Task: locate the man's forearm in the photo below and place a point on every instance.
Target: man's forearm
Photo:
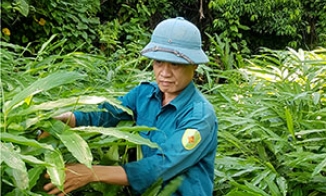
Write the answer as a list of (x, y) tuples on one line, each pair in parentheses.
[(110, 175), (68, 118)]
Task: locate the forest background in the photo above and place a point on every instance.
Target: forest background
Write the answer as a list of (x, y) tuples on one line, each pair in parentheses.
[(265, 78)]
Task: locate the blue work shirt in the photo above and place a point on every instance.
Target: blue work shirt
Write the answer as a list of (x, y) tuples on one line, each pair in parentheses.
[(191, 156)]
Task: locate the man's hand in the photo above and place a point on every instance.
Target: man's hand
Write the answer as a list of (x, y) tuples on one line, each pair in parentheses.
[(68, 118), (77, 175)]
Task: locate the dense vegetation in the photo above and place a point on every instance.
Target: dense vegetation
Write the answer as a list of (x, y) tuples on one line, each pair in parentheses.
[(266, 80)]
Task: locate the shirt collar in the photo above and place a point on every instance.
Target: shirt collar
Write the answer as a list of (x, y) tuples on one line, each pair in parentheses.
[(185, 95)]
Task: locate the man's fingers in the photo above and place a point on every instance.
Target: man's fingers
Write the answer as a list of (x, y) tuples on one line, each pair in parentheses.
[(48, 186), (46, 176), (53, 190), (44, 134)]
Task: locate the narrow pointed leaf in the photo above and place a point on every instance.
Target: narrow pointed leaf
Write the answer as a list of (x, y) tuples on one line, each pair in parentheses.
[(241, 193), (43, 84), (72, 101), (45, 44), (57, 171), (250, 188), (13, 160), (33, 160), (8, 137), (34, 174), (78, 147), (172, 186), (154, 189), (273, 187), (115, 132), (319, 168), (232, 139), (255, 189), (289, 122), (282, 185)]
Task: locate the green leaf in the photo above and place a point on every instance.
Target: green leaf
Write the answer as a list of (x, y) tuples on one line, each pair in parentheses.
[(13, 160), (115, 132), (282, 185), (316, 97), (81, 26), (289, 122), (234, 28), (113, 153), (273, 187), (57, 171), (77, 146), (154, 189), (260, 176), (241, 193), (94, 20), (54, 127), (43, 84), (33, 160), (319, 168), (307, 132), (235, 141), (139, 152), (250, 188), (34, 175), (255, 189), (171, 187), (8, 137), (21, 6), (45, 44), (72, 101)]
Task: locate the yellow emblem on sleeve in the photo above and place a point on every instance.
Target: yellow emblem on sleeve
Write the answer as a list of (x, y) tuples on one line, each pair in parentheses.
[(190, 138)]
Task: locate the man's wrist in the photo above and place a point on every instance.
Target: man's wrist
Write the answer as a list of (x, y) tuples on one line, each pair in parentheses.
[(68, 118)]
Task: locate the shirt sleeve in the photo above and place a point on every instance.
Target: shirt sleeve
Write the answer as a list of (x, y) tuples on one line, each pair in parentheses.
[(108, 115), (174, 158)]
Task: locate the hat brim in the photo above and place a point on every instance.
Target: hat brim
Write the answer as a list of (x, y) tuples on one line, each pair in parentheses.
[(196, 55)]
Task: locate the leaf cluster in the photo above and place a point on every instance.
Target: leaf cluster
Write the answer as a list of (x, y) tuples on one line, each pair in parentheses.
[(36, 89), (34, 22), (272, 126)]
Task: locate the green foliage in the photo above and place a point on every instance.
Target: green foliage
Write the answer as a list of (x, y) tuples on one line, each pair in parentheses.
[(222, 66), (314, 25), (271, 106), (273, 126), (35, 21), (170, 188), (35, 89), (111, 25), (271, 118), (260, 23)]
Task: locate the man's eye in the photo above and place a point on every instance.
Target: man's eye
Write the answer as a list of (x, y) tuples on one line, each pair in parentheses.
[(156, 61), (178, 65)]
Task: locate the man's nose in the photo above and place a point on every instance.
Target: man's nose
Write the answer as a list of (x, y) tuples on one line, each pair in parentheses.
[(166, 70)]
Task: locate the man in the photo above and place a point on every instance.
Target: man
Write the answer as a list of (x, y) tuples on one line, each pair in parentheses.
[(185, 121)]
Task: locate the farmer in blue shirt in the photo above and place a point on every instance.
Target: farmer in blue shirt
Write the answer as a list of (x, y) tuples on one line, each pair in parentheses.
[(185, 121)]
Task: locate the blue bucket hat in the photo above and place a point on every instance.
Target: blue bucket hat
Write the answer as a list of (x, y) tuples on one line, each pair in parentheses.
[(176, 40)]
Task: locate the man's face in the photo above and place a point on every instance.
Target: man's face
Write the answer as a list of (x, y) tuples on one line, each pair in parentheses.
[(173, 78)]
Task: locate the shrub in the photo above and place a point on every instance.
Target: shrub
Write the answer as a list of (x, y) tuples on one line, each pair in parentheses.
[(34, 22)]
